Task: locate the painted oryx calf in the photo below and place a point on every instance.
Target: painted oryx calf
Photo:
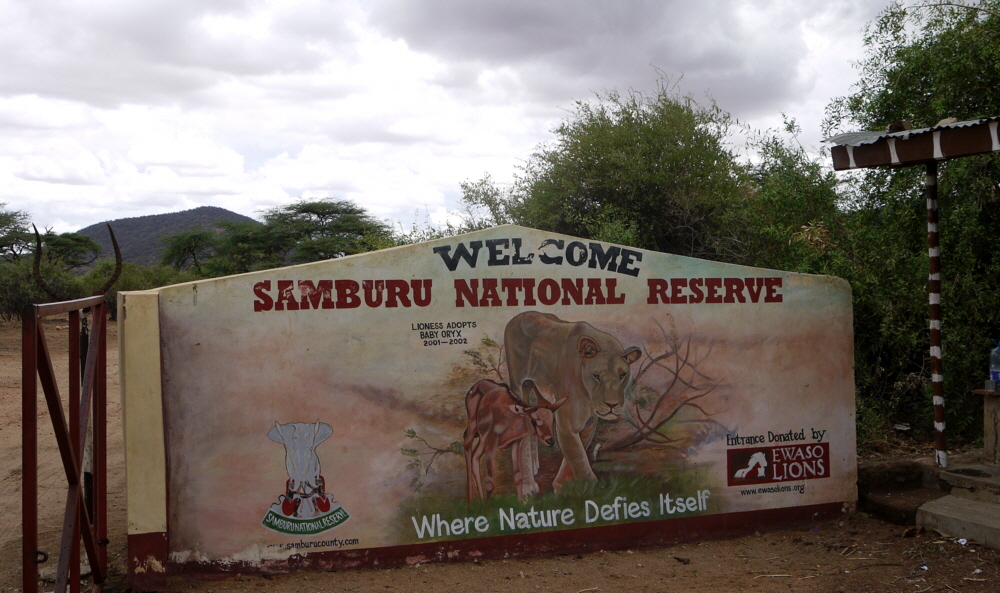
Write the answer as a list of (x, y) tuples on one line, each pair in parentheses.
[(500, 420)]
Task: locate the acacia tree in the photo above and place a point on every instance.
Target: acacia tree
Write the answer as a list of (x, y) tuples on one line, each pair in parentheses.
[(324, 229), (70, 250), (188, 249), (307, 230), (923, 64)]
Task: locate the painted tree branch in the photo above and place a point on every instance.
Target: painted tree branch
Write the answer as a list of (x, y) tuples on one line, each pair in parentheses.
[(686, 385)]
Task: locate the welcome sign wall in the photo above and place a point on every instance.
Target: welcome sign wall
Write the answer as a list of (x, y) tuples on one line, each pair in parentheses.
[(481, 395)]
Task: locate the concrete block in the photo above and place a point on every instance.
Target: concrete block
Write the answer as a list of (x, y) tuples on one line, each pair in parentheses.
[(976, 482), (898, 506), (954, 516)]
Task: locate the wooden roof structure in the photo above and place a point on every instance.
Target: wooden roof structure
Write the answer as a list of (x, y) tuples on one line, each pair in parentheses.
[(947, 140), (860, 150)]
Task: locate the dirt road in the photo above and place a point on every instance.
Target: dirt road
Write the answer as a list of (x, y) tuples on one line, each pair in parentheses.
[(861, 553)]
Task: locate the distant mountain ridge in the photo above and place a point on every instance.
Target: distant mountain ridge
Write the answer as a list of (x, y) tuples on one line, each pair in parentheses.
[(139, 237)]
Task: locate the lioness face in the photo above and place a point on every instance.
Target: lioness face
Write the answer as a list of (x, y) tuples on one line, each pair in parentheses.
[(605, 373)]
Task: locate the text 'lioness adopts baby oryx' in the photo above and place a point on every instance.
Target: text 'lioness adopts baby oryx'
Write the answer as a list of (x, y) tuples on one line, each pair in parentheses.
[(572, 359)]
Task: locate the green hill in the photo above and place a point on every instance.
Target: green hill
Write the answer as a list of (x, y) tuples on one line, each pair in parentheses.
[(139, 237)]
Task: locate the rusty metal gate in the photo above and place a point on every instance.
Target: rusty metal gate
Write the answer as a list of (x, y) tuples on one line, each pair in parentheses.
[(85, 515)]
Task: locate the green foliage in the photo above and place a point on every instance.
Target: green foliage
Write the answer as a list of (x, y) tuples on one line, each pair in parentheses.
[(792, 204), (70, 250), (188, 249), (324, 229), (133, 277), (15, 239), (301, 232), (19, 289), (647, 170), (141, 237), (923, 64)]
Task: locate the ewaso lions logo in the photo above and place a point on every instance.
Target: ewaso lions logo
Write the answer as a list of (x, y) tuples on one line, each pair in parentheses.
[(305, 508)]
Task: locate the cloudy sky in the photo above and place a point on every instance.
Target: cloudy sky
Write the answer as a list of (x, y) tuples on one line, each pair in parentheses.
[(112, 109)]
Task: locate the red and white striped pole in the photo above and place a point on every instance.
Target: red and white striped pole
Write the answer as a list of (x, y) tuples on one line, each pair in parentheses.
[(934, 288)]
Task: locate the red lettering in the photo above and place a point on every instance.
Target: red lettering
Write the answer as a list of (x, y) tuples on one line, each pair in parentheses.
[(613, 299), (594, 294), (529, 292), (572, 288), (347, 294), (311, 294), (421, 292), (548, 291), (657, 291), (695, 285), (754, 286), (466, 291), (285, 296), (373, 292), (734, 288), (675, 291), (772, 285), (713, 285), (266, 303), (511, 286), (397, 289), (490, 296)]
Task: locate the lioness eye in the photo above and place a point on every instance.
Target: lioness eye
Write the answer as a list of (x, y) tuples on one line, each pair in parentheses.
[(596, 377), (622, 376)]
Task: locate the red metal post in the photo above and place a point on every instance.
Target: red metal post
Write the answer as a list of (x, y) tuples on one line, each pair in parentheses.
[(74, 437), (934, 288), (29, 451), (37, 369), (100, 516)]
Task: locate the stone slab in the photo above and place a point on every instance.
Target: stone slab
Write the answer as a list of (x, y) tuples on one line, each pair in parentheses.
[(954, 516), (898, 506), (975, 482), (885, 476)]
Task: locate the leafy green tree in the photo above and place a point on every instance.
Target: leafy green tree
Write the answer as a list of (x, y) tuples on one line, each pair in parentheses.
[(308, 230), (72, 250), (15, 239), (651, 170), (188, 249), (924, 64), (246, 247), (18, 287), (790, 217), (325, 229)]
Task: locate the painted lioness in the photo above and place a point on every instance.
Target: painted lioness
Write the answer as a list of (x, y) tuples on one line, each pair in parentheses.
[(572, 360)]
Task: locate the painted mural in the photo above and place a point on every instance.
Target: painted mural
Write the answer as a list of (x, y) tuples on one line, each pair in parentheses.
[(504, 382)]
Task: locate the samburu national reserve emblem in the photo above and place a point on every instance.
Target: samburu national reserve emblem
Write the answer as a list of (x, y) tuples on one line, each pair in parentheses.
[(305, 508)]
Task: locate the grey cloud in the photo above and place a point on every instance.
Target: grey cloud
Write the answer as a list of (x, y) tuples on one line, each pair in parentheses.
[(569, 48), (154, 50)]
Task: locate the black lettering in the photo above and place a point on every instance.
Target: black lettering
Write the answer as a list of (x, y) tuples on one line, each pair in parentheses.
[(572, 250), (629, 256), (451, 261), (495, 249), (518, 260), (605, 260), (548, 259)]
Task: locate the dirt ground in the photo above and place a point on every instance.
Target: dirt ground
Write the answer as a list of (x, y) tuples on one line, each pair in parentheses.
[(859, 553)]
